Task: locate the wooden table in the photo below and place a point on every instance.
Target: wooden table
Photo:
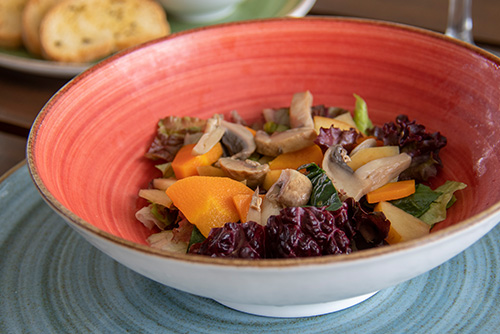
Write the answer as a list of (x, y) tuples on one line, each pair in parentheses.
[(23, 95)]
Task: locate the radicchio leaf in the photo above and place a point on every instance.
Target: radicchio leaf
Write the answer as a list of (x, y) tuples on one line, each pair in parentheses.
[(369, 228), (170, 136), (306, 232), (234, 240), (412, 139), (336, 136)]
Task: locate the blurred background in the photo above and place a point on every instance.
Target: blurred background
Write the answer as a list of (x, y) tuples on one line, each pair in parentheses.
[(429, 14)]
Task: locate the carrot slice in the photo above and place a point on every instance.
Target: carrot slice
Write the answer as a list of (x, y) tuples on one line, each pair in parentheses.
[(185, 164), (207, 201), (242, 204), (294, 160), (391, 191)]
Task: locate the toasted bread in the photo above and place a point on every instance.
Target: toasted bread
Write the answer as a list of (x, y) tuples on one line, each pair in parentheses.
[(33, 13), (87, 30), (10, 22)]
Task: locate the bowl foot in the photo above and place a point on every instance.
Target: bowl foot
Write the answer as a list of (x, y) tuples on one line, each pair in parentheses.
[(297, 311)]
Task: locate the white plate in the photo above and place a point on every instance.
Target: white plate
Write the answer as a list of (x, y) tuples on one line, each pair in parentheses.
[(21, 60)]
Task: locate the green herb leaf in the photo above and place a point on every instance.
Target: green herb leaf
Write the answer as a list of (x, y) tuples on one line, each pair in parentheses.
[(363, 122), (418, 203), (323, 192)]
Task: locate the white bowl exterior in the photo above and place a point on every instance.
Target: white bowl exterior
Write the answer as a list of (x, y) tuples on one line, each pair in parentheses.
[(293, 285)]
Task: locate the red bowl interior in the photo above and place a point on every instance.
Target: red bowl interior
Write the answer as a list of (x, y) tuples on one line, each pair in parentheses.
[(86, 147)]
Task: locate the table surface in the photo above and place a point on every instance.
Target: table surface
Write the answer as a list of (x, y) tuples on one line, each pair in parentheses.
[(23, 95)]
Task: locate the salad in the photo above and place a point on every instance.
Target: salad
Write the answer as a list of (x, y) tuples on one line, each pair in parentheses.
[(306, 180)]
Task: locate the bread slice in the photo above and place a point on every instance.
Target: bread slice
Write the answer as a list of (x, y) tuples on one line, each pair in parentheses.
[(33, 13), (10, 22), (87, 30)]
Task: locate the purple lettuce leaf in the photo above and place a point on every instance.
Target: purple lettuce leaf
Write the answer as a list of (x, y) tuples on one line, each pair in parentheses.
[(170, 136), (336, 136), (412, 138), (234, 240)]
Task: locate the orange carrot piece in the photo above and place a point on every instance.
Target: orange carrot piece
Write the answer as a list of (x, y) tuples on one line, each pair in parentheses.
[(251, 130), (391, 191), (185, 164), (294, 160), (207, 201), (242, 204)]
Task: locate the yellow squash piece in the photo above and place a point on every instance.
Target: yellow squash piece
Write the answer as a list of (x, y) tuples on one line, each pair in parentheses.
[(366, 155), (404, 226)]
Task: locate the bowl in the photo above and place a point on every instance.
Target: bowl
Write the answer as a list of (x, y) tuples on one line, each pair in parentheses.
[(86, 148), (200, 10)]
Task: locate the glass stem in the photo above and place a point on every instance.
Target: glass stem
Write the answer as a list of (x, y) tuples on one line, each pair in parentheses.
[(460, 20)]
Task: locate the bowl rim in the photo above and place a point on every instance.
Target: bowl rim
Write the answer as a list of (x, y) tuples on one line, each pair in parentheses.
[(357, 256)]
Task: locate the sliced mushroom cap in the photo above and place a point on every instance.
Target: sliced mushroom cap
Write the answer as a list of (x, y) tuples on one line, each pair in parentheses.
[(269, 208), (212, 135), (284, 142), (278, 116), (342, 176), (379, 172), (193, 138), (238, 140), (368, 177), (300, 110), (251, 171), (291, 189)]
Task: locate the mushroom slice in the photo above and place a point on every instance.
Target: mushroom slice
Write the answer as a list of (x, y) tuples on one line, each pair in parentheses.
[(376, 173), (255, 209), (251, 171), (192, 138), (368, 177), (269, 208), (300, 110), (238, 140), (342, 176), (291, 189), (212, 135), (283, 142)]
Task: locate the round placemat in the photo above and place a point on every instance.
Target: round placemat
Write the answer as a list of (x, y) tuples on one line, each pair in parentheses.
[(53, 281)]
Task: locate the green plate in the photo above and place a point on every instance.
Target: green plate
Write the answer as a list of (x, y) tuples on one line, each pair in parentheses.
[(22, 60)]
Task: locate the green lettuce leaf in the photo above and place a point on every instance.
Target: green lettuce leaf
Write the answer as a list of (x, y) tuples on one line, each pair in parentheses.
[(363, 122), (323, 192), (437, 210), (418, 203)]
